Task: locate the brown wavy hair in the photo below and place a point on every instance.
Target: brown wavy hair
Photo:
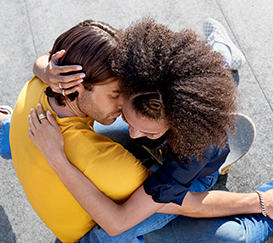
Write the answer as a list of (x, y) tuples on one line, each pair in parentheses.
[(88, 44), (190, 83)]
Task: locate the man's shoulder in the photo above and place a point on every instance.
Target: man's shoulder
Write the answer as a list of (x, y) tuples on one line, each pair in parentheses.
[(36, 82), (85, 148), (82, 137), (106, 163)]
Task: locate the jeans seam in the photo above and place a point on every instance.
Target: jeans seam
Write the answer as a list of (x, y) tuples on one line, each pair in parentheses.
[(158, 222)]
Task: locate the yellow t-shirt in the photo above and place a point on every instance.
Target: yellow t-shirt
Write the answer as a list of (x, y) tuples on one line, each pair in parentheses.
[(115, 171)]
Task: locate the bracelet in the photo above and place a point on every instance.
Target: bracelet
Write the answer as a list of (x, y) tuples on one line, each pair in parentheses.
[(262, 203)]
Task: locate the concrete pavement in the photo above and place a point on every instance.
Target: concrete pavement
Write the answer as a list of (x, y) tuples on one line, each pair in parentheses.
[(28, 29)]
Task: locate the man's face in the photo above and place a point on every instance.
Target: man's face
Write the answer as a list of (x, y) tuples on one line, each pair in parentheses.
[(103, 103)]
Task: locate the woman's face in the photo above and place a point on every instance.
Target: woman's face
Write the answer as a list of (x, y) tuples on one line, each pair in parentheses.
[(140, 126)]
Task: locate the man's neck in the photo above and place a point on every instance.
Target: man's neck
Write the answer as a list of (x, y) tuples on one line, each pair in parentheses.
[(70, 108)]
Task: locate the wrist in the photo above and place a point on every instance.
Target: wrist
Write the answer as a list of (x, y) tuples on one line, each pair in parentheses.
[(57, 161), (254, 203), (261, 198), (40, 67)]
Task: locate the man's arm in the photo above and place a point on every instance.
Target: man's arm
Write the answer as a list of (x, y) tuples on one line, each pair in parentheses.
[(40, 66), (213, 204)]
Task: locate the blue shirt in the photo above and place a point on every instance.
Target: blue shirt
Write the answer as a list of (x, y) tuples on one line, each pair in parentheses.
[(172, 181)]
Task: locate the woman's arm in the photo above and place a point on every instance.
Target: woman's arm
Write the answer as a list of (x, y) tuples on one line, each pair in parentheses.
[(50, 73), (115, 218)]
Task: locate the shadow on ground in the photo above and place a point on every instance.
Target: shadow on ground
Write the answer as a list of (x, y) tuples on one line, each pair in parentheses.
[(7, 235), (221, 183), (235, 75)]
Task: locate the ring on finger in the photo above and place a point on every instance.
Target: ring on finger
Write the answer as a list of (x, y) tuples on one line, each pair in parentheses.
[(42, 116), (63, 92), (60, 86)]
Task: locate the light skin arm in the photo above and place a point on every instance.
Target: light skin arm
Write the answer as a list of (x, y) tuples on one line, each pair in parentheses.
[(51, 74), (115, 218)]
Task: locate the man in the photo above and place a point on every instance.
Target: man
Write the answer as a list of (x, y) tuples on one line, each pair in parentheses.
[(88, 44)]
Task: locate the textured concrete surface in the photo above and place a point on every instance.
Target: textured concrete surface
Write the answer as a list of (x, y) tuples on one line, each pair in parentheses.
[(28, 29)]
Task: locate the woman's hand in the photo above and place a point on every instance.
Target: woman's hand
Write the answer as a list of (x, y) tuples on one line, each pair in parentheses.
[(51, 73), (46, 135)]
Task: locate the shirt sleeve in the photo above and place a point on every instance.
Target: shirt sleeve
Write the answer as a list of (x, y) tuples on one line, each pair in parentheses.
[(172, 181)]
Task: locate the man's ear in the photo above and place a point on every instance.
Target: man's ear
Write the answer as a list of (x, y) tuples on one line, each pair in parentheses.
[(80, 88)]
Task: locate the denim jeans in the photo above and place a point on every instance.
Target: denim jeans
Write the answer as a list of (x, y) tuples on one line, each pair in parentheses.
[(244, 228), (5, 151)]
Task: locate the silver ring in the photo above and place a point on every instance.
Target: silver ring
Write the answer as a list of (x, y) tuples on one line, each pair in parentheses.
[(63, 92), (42, 116), (60, 86)]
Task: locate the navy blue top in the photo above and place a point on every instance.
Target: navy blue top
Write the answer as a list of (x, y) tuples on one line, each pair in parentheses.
[(172, 181)]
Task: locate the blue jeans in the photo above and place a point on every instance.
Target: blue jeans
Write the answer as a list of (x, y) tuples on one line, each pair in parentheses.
[(244, 228), (4, 138)]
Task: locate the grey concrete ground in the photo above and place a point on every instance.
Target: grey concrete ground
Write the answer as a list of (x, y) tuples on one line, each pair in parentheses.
[(28, 29)]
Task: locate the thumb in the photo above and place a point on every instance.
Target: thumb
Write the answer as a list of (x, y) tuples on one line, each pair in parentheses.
[(51, 119), (55, 57)]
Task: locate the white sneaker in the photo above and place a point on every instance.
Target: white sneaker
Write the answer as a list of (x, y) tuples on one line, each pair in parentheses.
[(6, 109), (214, 31)]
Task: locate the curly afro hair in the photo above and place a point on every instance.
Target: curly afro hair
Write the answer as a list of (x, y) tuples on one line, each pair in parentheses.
[(194, 83)]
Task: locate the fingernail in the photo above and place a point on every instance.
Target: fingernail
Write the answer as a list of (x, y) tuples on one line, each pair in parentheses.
[(39, 104), (31, 109), (48, 112), (79, 81), (82, 75), (76, 87), (79, 67)]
